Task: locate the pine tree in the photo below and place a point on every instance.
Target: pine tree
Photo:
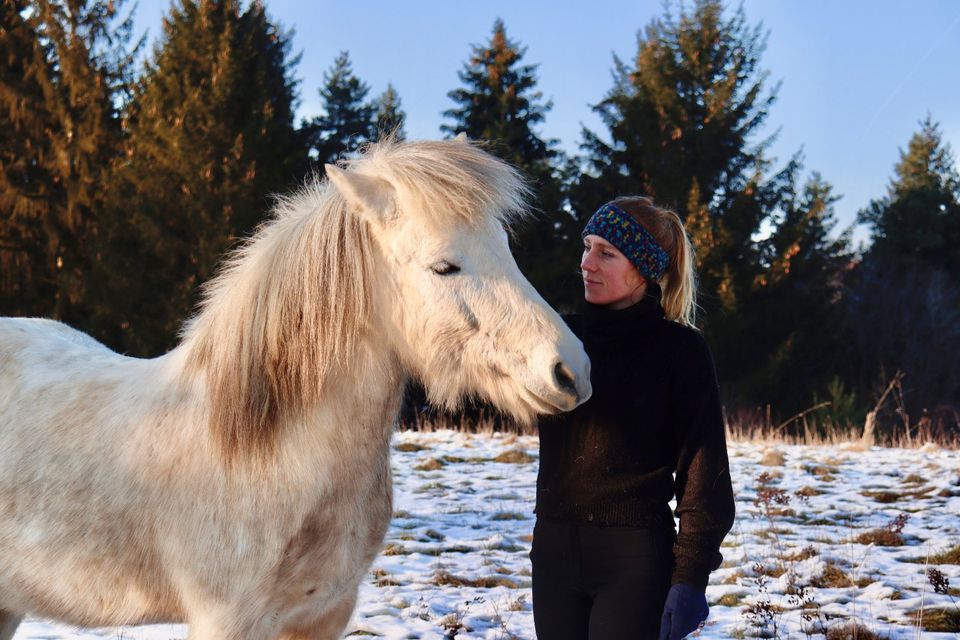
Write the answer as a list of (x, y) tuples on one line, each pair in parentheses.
[(390, 117), (211, 137), (499, 104), (64, 70), (348, 120), (785, 352), (902, 303), (920, 216)]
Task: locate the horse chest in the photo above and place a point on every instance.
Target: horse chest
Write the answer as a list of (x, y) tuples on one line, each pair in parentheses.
[(336, 542)]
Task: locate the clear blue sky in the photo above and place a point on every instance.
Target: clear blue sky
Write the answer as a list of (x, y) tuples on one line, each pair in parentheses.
[(857, 75)]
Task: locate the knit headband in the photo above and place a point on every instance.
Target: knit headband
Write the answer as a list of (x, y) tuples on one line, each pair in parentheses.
[(620, 229)]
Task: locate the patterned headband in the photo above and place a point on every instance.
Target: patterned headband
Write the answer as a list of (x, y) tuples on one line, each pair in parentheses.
[(620, 229)]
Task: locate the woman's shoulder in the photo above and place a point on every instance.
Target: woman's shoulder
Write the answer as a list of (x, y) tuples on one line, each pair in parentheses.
[(684, 334), (687, 341)]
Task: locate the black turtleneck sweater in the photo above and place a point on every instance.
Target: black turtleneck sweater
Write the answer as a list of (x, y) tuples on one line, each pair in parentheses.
[(655, 411)]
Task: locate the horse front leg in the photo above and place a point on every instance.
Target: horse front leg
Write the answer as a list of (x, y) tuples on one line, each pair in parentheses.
[(330, 627), (229, 625), (8, 625)]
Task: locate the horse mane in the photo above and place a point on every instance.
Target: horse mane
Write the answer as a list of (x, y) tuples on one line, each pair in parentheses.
[(272, 329)]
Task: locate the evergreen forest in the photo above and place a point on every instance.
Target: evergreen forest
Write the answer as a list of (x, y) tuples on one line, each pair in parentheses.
[(126, 174)]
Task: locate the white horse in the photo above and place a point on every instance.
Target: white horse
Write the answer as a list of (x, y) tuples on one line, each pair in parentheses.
[(241, 482)]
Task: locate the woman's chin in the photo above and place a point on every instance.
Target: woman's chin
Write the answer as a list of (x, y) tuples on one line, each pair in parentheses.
[(594, 297)]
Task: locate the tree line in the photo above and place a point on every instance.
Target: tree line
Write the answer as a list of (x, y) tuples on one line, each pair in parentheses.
[(121, 188)]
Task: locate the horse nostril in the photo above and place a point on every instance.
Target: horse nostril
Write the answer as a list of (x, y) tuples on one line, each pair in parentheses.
[(564, 378)]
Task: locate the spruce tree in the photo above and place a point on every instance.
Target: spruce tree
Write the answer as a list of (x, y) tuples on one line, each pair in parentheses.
[(786, 354), (64, 70), (920, 216), (902, 302), (682, 121), (390, 117), (211, 138), (499, 105), (348, 120)]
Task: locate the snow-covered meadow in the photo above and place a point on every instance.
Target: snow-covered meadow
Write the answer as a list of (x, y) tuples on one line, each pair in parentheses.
[(809, 552)]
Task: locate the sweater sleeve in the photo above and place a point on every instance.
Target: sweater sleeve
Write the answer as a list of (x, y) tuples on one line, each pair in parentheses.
[(704, 491)]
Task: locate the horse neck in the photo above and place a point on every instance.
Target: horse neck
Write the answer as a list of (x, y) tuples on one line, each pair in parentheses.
[(354, 417), (286, 331)]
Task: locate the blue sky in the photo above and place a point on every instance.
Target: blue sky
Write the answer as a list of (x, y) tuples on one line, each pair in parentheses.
[(857, 75)]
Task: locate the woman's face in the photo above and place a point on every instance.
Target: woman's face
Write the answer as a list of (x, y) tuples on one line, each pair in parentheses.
[(609, 279)]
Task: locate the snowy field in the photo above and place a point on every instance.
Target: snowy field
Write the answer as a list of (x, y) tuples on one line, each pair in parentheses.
[(810, 552)]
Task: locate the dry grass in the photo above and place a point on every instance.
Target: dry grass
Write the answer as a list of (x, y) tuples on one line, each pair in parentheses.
[(833, 577), (730, 599), (751, 429), (942, 620), (408, 447), (881, 538), (773, 458), (888, 497), (509, 515), (515, 456), (950, 556), (883, 497), (394, 549), (431, 464), (444, 578), (853, 631), (801, 554), (382, 579)]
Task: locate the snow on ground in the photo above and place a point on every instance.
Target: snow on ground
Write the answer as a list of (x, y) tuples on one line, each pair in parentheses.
[(455, 559)]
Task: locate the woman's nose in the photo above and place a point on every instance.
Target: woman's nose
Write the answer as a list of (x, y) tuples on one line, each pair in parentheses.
[(587, 263)]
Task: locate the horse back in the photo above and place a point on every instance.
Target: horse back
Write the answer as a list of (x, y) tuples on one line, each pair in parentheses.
[(65, 492)]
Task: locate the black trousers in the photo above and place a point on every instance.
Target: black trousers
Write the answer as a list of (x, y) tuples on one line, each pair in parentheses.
[(599, 583)]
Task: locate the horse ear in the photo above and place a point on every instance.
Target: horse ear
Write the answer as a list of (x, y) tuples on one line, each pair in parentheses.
[(371, 195), (461, 137)]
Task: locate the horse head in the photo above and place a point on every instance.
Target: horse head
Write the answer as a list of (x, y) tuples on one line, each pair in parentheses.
[(449, 295)]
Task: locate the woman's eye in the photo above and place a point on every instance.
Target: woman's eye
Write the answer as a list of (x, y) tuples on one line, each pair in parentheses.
[(444, 268)]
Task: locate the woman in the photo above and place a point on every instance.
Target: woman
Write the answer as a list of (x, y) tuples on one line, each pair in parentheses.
[(606, 560)]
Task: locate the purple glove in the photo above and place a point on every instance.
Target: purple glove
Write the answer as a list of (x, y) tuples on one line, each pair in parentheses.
[(685, 609)]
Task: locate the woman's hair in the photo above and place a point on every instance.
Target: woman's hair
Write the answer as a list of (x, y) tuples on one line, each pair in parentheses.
[(678, 281)]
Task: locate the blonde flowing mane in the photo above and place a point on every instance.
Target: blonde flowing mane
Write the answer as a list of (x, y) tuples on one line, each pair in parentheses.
[(272, 328)]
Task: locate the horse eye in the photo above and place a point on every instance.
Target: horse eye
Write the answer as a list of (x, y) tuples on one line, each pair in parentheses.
[(444, 268)]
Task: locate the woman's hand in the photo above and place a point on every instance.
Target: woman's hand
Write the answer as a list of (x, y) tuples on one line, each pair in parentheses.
[(685, 608)]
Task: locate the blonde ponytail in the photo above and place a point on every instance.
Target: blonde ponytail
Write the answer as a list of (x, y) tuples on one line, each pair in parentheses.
[(678, 282)]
